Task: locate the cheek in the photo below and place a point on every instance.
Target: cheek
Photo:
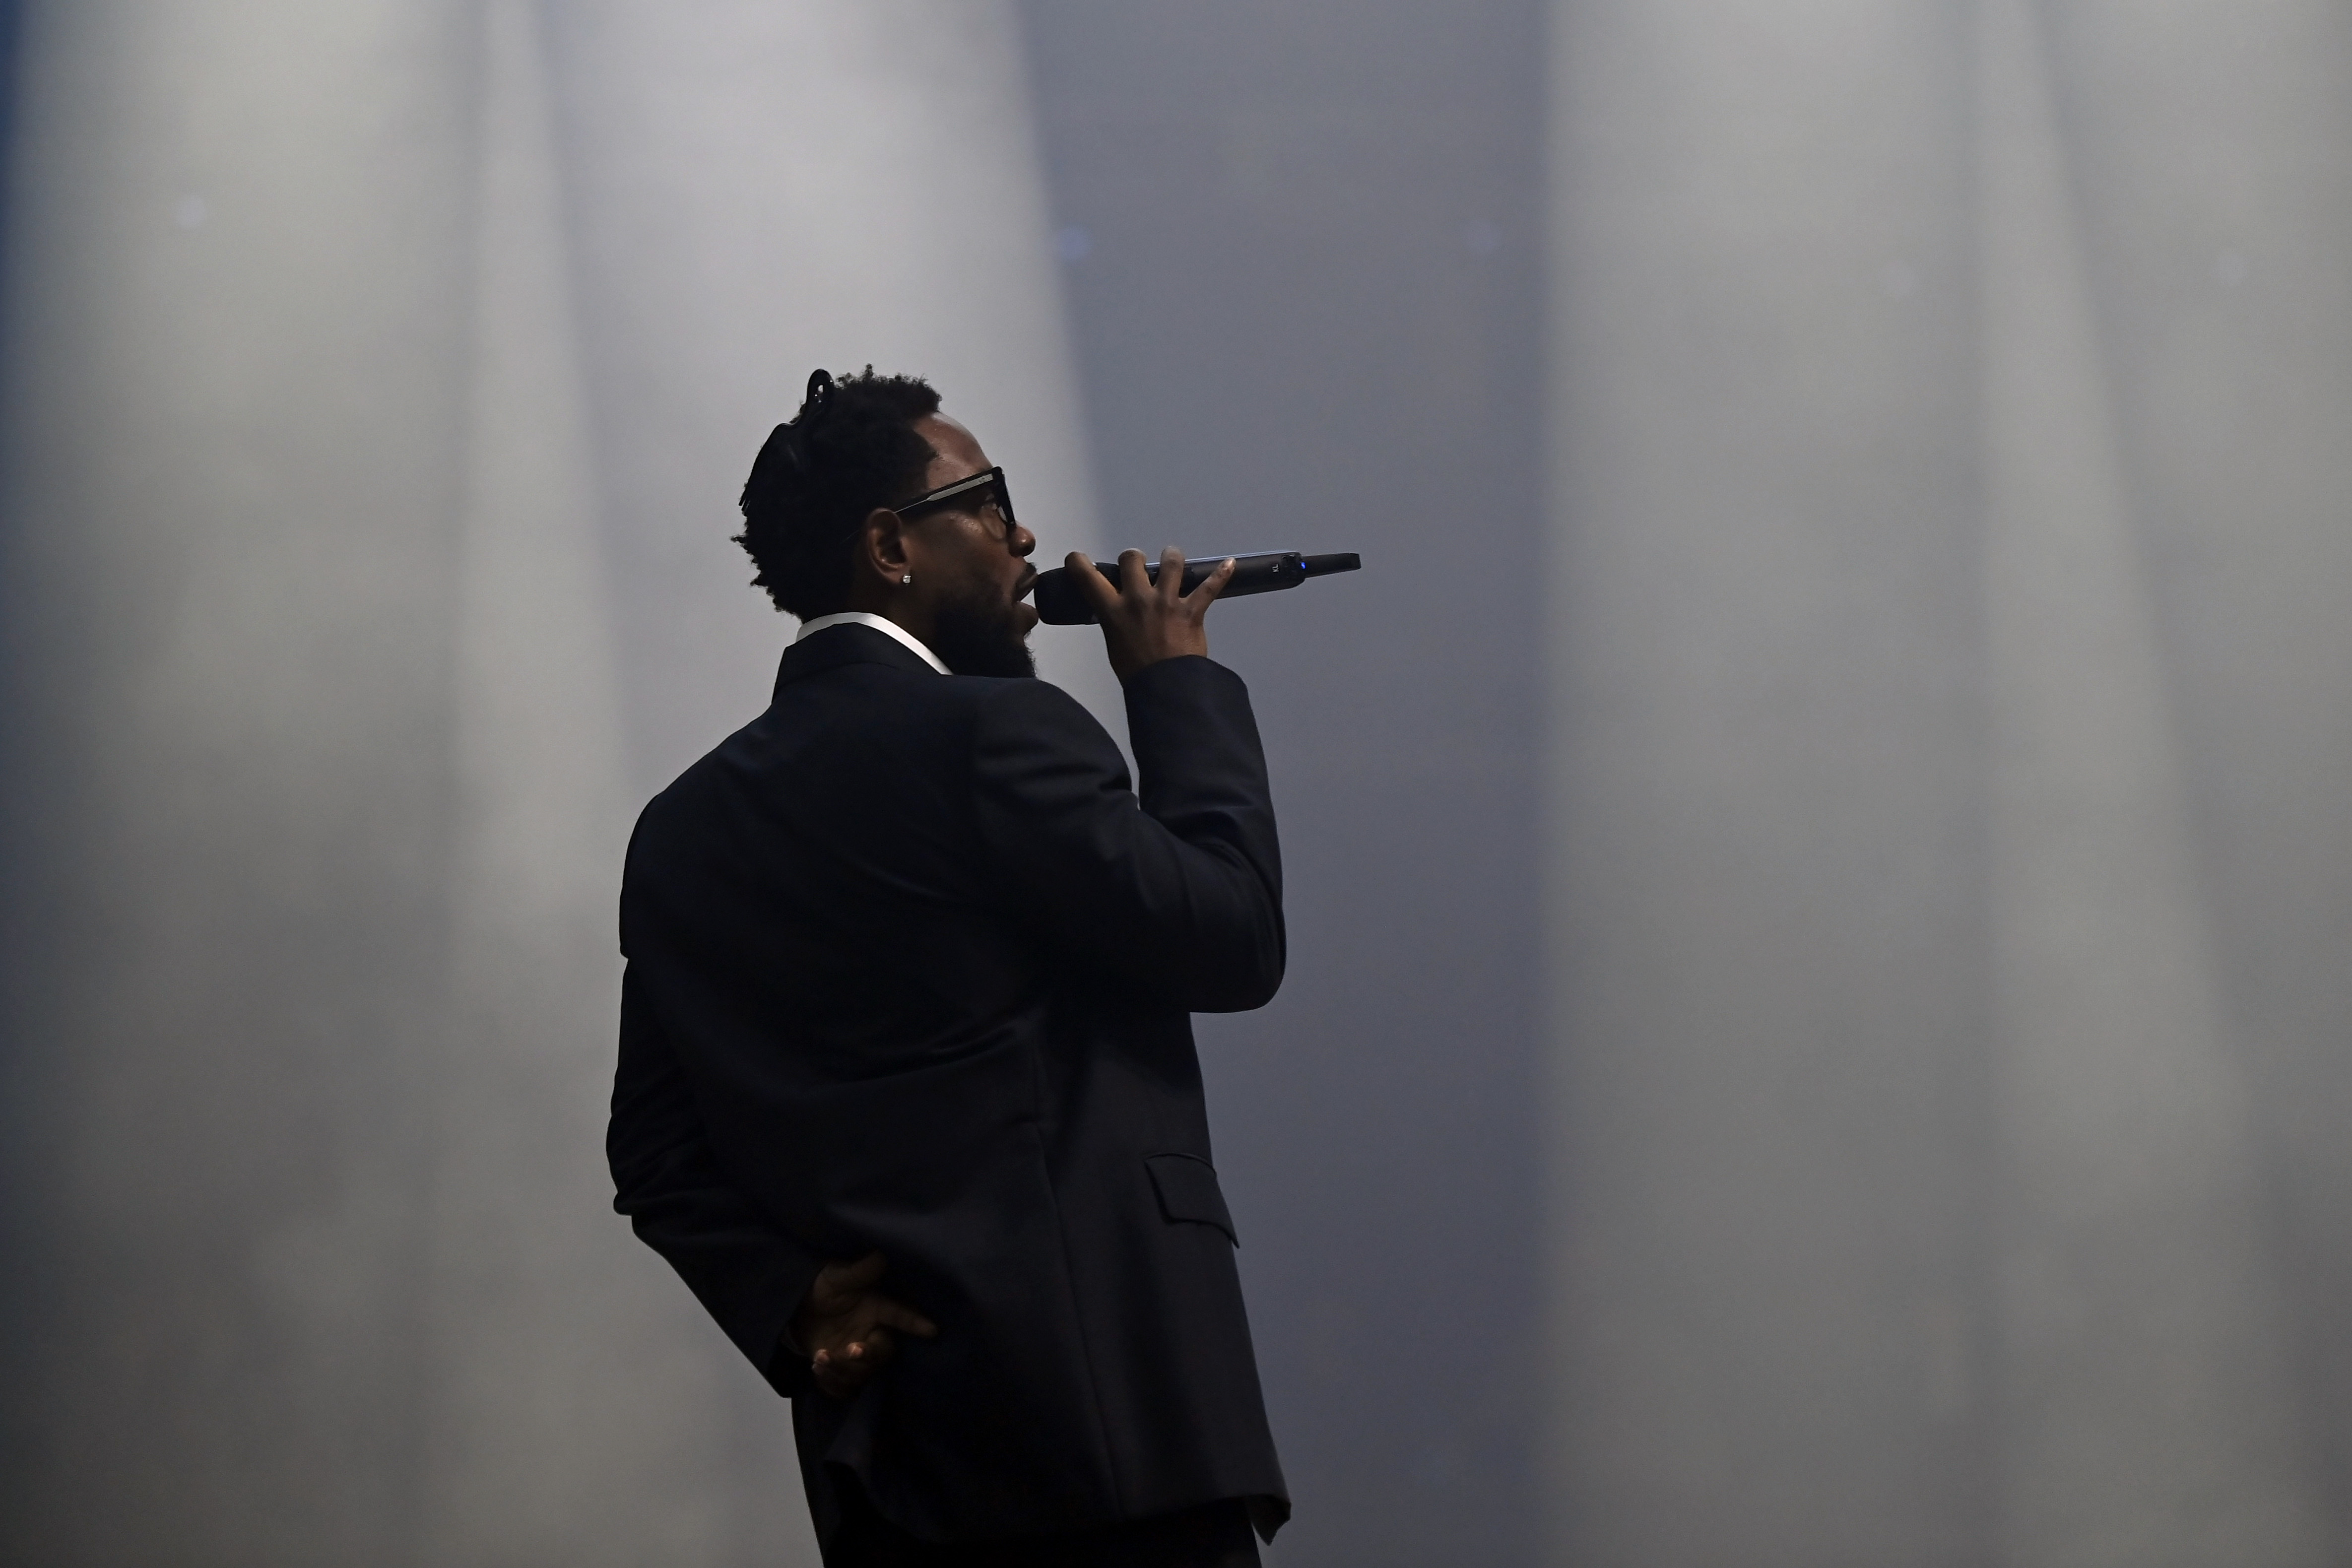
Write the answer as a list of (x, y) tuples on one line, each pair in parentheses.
[(972, 557), (938, 555)]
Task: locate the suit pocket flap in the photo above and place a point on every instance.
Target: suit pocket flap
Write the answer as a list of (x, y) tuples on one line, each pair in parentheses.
[(1187, 1191)]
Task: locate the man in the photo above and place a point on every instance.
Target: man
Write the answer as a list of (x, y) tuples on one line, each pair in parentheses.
[(907, 1091)]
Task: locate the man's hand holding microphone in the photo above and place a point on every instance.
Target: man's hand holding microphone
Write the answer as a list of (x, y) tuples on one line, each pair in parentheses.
[(1144, 622)]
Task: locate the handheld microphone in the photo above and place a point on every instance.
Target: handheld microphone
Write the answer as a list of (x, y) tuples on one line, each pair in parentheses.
[(1061, 603)]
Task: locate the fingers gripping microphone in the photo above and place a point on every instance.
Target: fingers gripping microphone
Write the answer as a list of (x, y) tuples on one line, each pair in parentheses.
[(1060, 603)]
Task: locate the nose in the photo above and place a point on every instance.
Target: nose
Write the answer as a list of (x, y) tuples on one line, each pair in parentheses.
[(1021, 541)]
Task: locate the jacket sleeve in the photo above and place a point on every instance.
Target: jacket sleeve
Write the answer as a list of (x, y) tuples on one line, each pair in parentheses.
[(1179, 888), (748, 1274)]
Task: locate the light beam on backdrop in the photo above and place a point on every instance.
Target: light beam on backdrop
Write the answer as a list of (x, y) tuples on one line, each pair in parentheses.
[(237, 341), (380, 382), (1949, 855), (519, 1447), (2148, 1414), (759, 189), (1762, 939)]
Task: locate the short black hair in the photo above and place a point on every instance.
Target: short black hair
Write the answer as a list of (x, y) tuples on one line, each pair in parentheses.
[(853, 446)]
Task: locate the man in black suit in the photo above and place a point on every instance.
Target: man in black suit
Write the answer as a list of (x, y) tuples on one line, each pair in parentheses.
[(909, 975)]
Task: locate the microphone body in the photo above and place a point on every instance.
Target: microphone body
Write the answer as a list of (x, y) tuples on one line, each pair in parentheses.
[(1061, 603)]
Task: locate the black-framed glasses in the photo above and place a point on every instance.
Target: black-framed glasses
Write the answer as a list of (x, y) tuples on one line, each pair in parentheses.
[(973, 486)]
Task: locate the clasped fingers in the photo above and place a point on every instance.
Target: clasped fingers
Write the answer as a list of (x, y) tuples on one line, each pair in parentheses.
[(846, 1327)]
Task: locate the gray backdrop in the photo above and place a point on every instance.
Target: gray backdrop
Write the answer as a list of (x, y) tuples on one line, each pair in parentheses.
[(1820, 877)]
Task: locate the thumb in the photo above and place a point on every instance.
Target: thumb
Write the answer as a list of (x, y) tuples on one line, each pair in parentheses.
[(1092, 586)]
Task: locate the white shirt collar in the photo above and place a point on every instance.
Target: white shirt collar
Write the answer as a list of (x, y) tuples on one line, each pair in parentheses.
[(882, 623)]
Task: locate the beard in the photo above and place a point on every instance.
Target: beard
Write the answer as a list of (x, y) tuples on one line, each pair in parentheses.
[(979, 634)]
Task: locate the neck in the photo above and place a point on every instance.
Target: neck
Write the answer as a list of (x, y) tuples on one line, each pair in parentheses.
[(900, 607)]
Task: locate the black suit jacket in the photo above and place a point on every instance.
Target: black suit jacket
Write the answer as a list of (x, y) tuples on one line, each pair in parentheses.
[(909, 967)]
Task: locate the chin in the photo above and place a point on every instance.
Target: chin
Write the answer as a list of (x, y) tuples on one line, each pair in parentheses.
[(985, 636)]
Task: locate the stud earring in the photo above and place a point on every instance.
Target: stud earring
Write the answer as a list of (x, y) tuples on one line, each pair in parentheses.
[(907, 577)]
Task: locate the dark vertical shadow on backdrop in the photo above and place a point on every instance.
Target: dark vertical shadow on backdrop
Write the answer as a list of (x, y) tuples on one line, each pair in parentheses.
[(1299, 244)]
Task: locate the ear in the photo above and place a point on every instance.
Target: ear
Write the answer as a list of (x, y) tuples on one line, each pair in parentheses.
[(882, 548)]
